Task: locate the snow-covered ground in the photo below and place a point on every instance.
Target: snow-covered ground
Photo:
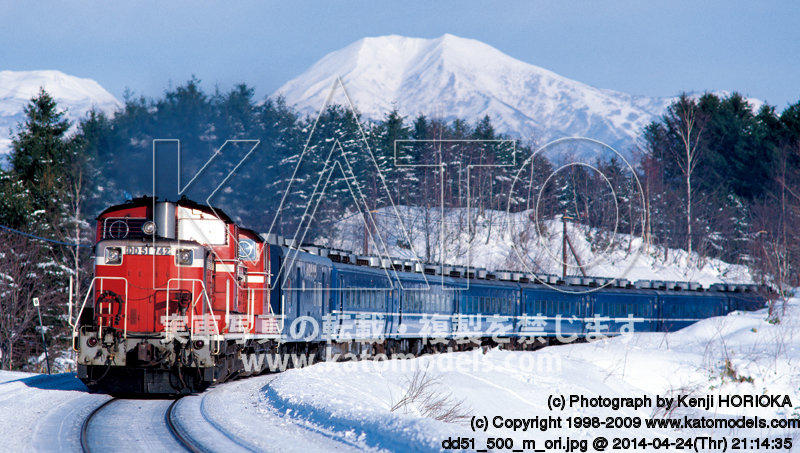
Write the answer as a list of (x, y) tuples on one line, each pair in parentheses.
[(501, 240), (41, 412), (356, 399), (358, 405)]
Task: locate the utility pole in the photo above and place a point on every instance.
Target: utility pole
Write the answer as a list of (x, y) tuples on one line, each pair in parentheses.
[(41, 327), (564, 246), (565, 242), (369, 228)]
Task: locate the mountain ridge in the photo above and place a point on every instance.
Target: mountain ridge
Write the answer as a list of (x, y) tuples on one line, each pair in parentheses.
[(452, 77)]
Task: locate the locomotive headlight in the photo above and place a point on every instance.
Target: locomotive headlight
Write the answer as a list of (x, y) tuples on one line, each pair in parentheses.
[(113, 255), (149, 228), (184, 257)]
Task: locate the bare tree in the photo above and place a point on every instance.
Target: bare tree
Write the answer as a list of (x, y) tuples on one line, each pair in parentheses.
[(689, 126), (775, 246), (424, 394), (23, 276)]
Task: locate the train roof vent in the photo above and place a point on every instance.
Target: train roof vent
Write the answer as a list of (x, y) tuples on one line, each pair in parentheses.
[(312, 249), (481, 273), (385, 263), (588, 281), (659, 284), (458, 271), (291, 243), (694, 286), (643, 284), (430, 269), (554, 279), (418, 267), (504, 275), (680, 286), (602, 281), (445, 270), (490, 276), (718, 287), (733, 287), (526, 278), (573, 281), (621, 282)]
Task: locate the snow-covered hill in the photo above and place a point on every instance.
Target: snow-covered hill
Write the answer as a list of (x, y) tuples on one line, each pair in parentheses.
[(452, 77), (73, 94), (501, 240)]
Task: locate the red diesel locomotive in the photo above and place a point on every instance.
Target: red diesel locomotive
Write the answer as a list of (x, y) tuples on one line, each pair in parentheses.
[(179, 292)]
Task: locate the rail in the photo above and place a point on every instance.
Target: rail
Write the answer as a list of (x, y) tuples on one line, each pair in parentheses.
[(84, 439)]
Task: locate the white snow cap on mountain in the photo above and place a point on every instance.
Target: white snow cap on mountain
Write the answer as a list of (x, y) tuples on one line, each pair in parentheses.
[(451, 77), (73, 94)]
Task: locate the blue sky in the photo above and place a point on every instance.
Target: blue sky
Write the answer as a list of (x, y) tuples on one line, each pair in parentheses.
[(655, 48)]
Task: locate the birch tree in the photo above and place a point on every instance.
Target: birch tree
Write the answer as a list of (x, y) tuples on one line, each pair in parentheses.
[(687, 121)]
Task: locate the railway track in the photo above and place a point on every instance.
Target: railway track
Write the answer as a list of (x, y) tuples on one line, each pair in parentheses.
[(179, 434), (139, 427)]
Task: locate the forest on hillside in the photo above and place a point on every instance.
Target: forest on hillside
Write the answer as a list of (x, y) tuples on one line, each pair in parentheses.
[(712, 176)]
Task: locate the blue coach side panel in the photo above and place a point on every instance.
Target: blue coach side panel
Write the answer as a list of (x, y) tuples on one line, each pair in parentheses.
[(549, 312), (683, 308), (616, 311), (426, 305), (360, 305), (305, 287), (746, 301), (486, 308)]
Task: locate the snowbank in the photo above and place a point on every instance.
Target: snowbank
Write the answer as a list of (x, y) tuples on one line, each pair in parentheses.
[(740, 353)]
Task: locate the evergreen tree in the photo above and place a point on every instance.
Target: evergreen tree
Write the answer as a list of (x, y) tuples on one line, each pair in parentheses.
[(38, 151)]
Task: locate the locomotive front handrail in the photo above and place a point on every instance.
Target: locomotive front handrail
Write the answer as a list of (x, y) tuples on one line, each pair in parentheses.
[(89, 291), (203, 294)]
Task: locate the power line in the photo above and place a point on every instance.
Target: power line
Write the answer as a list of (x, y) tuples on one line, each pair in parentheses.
[(33, 236)]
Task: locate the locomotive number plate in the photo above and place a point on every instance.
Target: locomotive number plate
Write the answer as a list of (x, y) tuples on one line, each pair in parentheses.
[(147, 250)]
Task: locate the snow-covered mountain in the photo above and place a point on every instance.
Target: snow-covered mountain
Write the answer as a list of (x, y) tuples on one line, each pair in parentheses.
[(73, 94), (450, 77)]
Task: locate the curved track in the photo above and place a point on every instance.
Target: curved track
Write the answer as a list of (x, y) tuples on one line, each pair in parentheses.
[(135, 425), (179, 433)]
